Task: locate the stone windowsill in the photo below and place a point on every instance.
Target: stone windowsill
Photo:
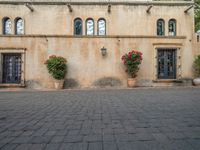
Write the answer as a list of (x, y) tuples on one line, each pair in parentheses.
[(168, 81), (93, 36), (3, 85)]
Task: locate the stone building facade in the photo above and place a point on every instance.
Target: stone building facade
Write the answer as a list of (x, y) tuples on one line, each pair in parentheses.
[(32, 30)]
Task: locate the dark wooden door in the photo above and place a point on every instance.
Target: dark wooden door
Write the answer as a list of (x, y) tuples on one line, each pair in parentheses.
[(166, 63), (12, 68)]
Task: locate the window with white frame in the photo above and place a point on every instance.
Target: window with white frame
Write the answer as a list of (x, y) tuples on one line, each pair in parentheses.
[(89, 26), (101, 26), (77, 26), (19, 26), (172, 27), (160, 27), (7, 26)]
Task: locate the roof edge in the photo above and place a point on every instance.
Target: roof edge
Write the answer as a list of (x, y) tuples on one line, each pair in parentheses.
[(119, 2)]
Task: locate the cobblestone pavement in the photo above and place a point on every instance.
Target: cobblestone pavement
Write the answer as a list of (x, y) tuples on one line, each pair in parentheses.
[(132, 119)]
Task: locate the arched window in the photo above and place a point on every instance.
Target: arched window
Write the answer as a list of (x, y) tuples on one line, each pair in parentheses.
[(160, 27), (172, 27), (89, 26), (7, 26), (77, 26), (101, 25), (19, 26)]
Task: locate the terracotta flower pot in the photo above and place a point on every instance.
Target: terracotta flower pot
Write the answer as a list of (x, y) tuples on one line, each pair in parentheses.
[(131, 82), (196, 81), (58, 84)]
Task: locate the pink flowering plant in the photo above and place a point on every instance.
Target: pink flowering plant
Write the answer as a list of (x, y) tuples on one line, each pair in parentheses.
[(132, 60), (57, 66)]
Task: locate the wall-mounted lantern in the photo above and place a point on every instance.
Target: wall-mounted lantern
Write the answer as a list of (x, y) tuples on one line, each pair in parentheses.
[(103, 51)]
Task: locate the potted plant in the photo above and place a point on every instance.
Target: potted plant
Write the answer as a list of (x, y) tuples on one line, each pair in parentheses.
[(196, 66), (57, 67), (132, 60)]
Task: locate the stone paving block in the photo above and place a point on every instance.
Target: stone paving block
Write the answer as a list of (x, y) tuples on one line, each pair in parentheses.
[(50, 133), (176, 136), (160, 137), (27, 133), (143, 137), (2, 144), (109, 146), (85, 131), (108, 137), (195, 143), (130, 129), (9, 146), (52, 146), (108, 131), (40, 132), (178, 145), (21, 140), (40, 139), (5, 133), (93, 138), (61, 132), (96, 131), (32, 127), (125, 137), (87, 124), (7, 140), (95, 146), (57, 139), (15, 133), (124, 146), (74, 127), (23, 147), (148, 145), (73, 132), (192, 135), (165, 129), (73, 139), (80, 146), (37, 147), (66, 146), (141, 125), (119, 131)]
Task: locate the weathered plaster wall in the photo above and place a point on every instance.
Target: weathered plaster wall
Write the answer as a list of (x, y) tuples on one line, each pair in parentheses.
[(49, 30), (123, 19), (86, 65)]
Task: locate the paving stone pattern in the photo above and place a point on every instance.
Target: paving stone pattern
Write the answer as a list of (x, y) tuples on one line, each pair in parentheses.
[(132, 119)]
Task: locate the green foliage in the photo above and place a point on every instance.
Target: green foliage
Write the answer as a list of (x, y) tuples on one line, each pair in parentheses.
[(197, 15), (57, 67), (132, 60), (197, 66)]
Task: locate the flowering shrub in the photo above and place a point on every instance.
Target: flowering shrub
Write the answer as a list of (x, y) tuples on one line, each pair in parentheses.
[(57, 66), (132, 60), (196, 66)]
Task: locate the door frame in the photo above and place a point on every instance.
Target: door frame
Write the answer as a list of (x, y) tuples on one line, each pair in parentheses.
[(174, 51), (21, 51), (178, 47), (16, 68)]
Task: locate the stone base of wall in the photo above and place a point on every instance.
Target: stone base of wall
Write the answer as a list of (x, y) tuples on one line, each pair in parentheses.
[(181, 82), (113, 82), (107, 82)]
